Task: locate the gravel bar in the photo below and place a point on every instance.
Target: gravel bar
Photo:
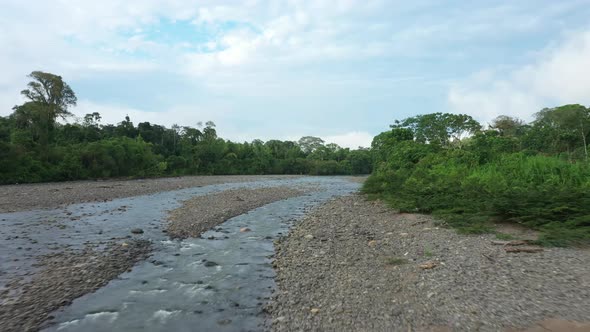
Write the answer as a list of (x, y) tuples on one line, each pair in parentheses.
[(201, 213), (65, 277), (52, 195), (355, 265)]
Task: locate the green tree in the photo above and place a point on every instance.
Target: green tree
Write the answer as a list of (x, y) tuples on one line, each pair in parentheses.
[(507, 125), (51, 97), (570, 122), (439, 128), (310, 143)]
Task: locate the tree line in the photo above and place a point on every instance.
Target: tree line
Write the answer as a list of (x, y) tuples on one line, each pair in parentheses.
[(36, 145), (471, 176)]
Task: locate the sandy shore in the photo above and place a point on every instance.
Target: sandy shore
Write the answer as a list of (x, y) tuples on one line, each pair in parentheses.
[(354, 265), (52, 195)]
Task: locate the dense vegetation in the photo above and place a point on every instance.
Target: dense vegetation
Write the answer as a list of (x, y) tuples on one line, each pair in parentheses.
[(534, 174), (36, 146)]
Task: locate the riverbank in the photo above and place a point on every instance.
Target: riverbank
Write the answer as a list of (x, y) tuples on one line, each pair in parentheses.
[(63, 277), (355, 265), (51, 257), (57, 194)]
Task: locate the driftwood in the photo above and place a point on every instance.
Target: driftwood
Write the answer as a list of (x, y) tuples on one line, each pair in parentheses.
[(523, 249)]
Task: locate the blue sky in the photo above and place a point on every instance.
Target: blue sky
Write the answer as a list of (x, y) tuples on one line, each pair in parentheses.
[(340, 69)]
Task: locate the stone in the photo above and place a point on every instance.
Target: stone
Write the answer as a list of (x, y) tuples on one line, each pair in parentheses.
[(428, 265), (245, 229), (137, 231), (210, 264)]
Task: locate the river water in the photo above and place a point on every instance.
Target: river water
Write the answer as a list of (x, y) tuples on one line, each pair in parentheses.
[(190, 285)]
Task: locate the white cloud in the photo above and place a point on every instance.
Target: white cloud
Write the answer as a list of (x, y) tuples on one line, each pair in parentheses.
[(353, 139), (181, 115), (303, 60), (560, 75)]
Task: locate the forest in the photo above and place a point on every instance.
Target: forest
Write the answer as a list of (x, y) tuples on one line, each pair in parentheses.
[(37, 144), (467, 174), (533, 174)]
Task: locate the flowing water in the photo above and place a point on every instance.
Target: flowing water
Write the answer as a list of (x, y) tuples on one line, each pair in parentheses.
[(189, 285)]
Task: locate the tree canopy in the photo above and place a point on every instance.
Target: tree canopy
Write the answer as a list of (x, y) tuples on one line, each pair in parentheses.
[(34, 146)]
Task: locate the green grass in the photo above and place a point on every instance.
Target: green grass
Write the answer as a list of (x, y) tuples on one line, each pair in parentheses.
[(504, 236)]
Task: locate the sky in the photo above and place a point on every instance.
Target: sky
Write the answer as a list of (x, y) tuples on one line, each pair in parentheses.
[(342, 70)]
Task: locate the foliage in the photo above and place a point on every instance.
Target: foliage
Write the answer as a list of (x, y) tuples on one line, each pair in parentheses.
[(511, 172), (35, 146)]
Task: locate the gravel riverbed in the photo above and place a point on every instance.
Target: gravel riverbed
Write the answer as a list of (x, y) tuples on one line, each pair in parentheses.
[(201, 213), (52, 195), (64, 277), (355, 265), (63, 270)]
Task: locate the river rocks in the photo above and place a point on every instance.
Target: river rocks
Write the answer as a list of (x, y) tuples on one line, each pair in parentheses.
[(137, 231), (465, 282), (58, 284), (224, 322), (428, 265), (202, 213), (210, 264), (43, 195)]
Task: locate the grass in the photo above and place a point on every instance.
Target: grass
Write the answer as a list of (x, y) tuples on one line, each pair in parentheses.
[(504, 236), (428, 252)]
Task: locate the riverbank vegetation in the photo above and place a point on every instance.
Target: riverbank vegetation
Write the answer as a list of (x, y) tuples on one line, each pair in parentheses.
[(534, 174), (37, 144)]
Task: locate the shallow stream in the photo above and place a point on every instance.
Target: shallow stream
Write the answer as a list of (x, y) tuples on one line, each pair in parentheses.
[(197, 284)]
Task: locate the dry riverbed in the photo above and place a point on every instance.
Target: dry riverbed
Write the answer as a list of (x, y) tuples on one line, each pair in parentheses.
[(354, 265), (201, 213), (52, 195)]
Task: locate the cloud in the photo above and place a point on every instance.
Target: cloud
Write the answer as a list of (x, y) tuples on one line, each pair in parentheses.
[(353, 139), (560, 74), (181, 115), (262, 68)]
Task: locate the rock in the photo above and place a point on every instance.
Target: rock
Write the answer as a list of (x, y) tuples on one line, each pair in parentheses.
[(224, 321), (279, 319), (245, 229), (309, 237), (314, 310), (428, 265), (137, 231), (210, 264), (372, 243)]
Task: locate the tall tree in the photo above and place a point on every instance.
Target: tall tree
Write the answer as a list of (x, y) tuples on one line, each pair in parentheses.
[(571, 122), (310, 143), (440, 128), (51, 97), (507, 125)]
